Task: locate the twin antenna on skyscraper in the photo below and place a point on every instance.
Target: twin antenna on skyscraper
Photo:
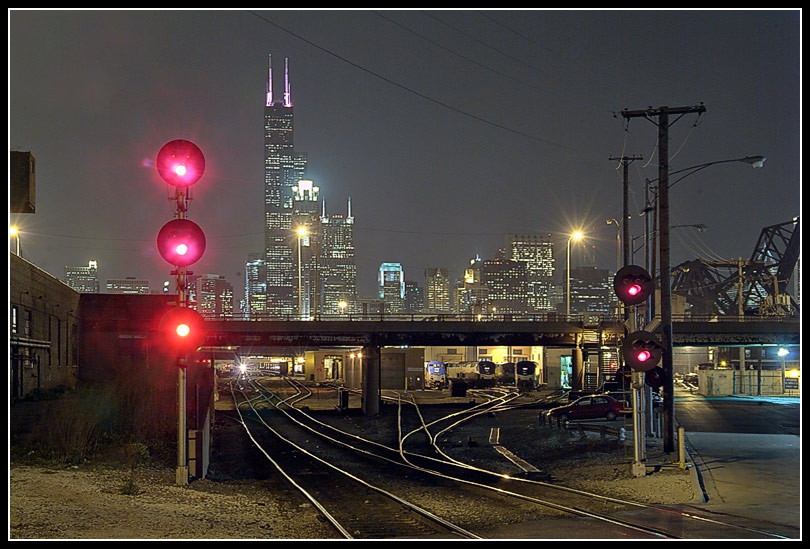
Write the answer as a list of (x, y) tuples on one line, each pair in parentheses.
[(287, 95)]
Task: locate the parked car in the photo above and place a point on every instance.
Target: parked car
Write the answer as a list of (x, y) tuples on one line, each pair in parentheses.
[(588, 407), (627, 397)]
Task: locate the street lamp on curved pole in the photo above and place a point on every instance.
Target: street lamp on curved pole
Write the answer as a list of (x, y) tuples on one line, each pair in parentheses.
[(618, 241), (666, 286), (576, 235)]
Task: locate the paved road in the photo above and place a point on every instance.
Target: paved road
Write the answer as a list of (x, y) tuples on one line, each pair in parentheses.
[(752, 472)]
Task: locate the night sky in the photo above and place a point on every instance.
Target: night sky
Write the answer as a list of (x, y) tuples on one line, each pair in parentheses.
[(448, 129)]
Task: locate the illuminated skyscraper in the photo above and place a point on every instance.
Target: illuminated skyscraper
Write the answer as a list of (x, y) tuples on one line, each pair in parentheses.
[(128, 285), (336, 262), (283, 168), (306, 224), (505, 280), (83, 279), (392, 287), (214, 296), (255, 304), (537, 252), (437, 294)]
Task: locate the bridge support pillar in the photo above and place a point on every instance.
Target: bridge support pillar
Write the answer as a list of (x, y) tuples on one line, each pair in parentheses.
[(371, 381)]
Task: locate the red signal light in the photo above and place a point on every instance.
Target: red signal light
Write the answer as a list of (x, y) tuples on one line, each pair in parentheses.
[(633, 285), (183, 330), (643, 356), (181, 242), (641, 351), (180, 163)]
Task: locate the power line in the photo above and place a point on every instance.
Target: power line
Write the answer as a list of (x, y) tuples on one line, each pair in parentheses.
[(411, 90)]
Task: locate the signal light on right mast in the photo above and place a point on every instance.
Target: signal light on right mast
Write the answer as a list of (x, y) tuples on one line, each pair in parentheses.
[(633, 285), (641, 351)]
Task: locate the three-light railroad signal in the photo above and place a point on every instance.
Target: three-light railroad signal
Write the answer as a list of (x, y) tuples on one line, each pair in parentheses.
[(181, 242)]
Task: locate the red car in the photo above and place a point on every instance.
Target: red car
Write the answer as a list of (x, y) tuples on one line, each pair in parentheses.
[(589, 407)]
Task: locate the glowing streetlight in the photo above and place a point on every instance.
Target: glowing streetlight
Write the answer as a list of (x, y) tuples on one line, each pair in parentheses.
[(576, 236), (15, 232)]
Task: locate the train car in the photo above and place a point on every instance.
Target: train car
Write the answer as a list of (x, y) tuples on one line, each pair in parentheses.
[(505, 373), (474, 374), (486, 373), (462, 370), (435, 375), (526, 375)]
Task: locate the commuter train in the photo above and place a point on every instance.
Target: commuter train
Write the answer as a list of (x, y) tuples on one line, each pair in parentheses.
[(505, 373), (527, 372), (475, 374), (435, 375), (525, 378)]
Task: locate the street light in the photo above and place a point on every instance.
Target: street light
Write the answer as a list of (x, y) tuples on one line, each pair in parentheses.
[(666, 286), (618, 241), (15, 232), (576, 235)]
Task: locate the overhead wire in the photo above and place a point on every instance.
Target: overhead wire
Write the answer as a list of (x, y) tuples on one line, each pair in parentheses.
[(409, 89)]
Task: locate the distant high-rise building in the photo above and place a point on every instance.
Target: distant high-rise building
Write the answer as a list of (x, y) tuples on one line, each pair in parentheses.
[(214, 296), (83, 279), (392, 287), (128, 285), (414, 302), (437, 286), (255, 301), (537, 252), (306, 224), (337, 269), (592, 291), (283, 168), (470, 295), (506, 282)]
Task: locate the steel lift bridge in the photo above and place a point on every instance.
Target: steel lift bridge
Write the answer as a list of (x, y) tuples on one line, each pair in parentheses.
[(756, 286)]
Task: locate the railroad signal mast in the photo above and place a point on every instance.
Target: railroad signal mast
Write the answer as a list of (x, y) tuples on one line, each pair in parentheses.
[(641, 352), (181, 243)]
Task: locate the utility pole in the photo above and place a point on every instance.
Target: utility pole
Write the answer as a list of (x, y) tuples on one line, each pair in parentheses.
[(663, 123), (625, 160)]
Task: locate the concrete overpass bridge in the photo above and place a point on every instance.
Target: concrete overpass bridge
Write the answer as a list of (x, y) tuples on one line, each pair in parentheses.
[(719, 331), (580, 336)]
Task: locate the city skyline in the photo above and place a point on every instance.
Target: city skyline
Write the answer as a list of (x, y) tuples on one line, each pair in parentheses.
[(528, 165)]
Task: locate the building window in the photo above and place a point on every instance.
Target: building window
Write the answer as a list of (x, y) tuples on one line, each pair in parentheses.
[(14, 310)]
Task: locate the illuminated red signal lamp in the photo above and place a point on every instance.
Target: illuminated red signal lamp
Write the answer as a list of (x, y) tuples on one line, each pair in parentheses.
[(633, 285), (183, 330), (180, 163), (641, 351), (181, 242)]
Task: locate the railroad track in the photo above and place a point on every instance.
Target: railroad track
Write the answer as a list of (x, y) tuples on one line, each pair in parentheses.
[(417, 453), (354, 507)]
